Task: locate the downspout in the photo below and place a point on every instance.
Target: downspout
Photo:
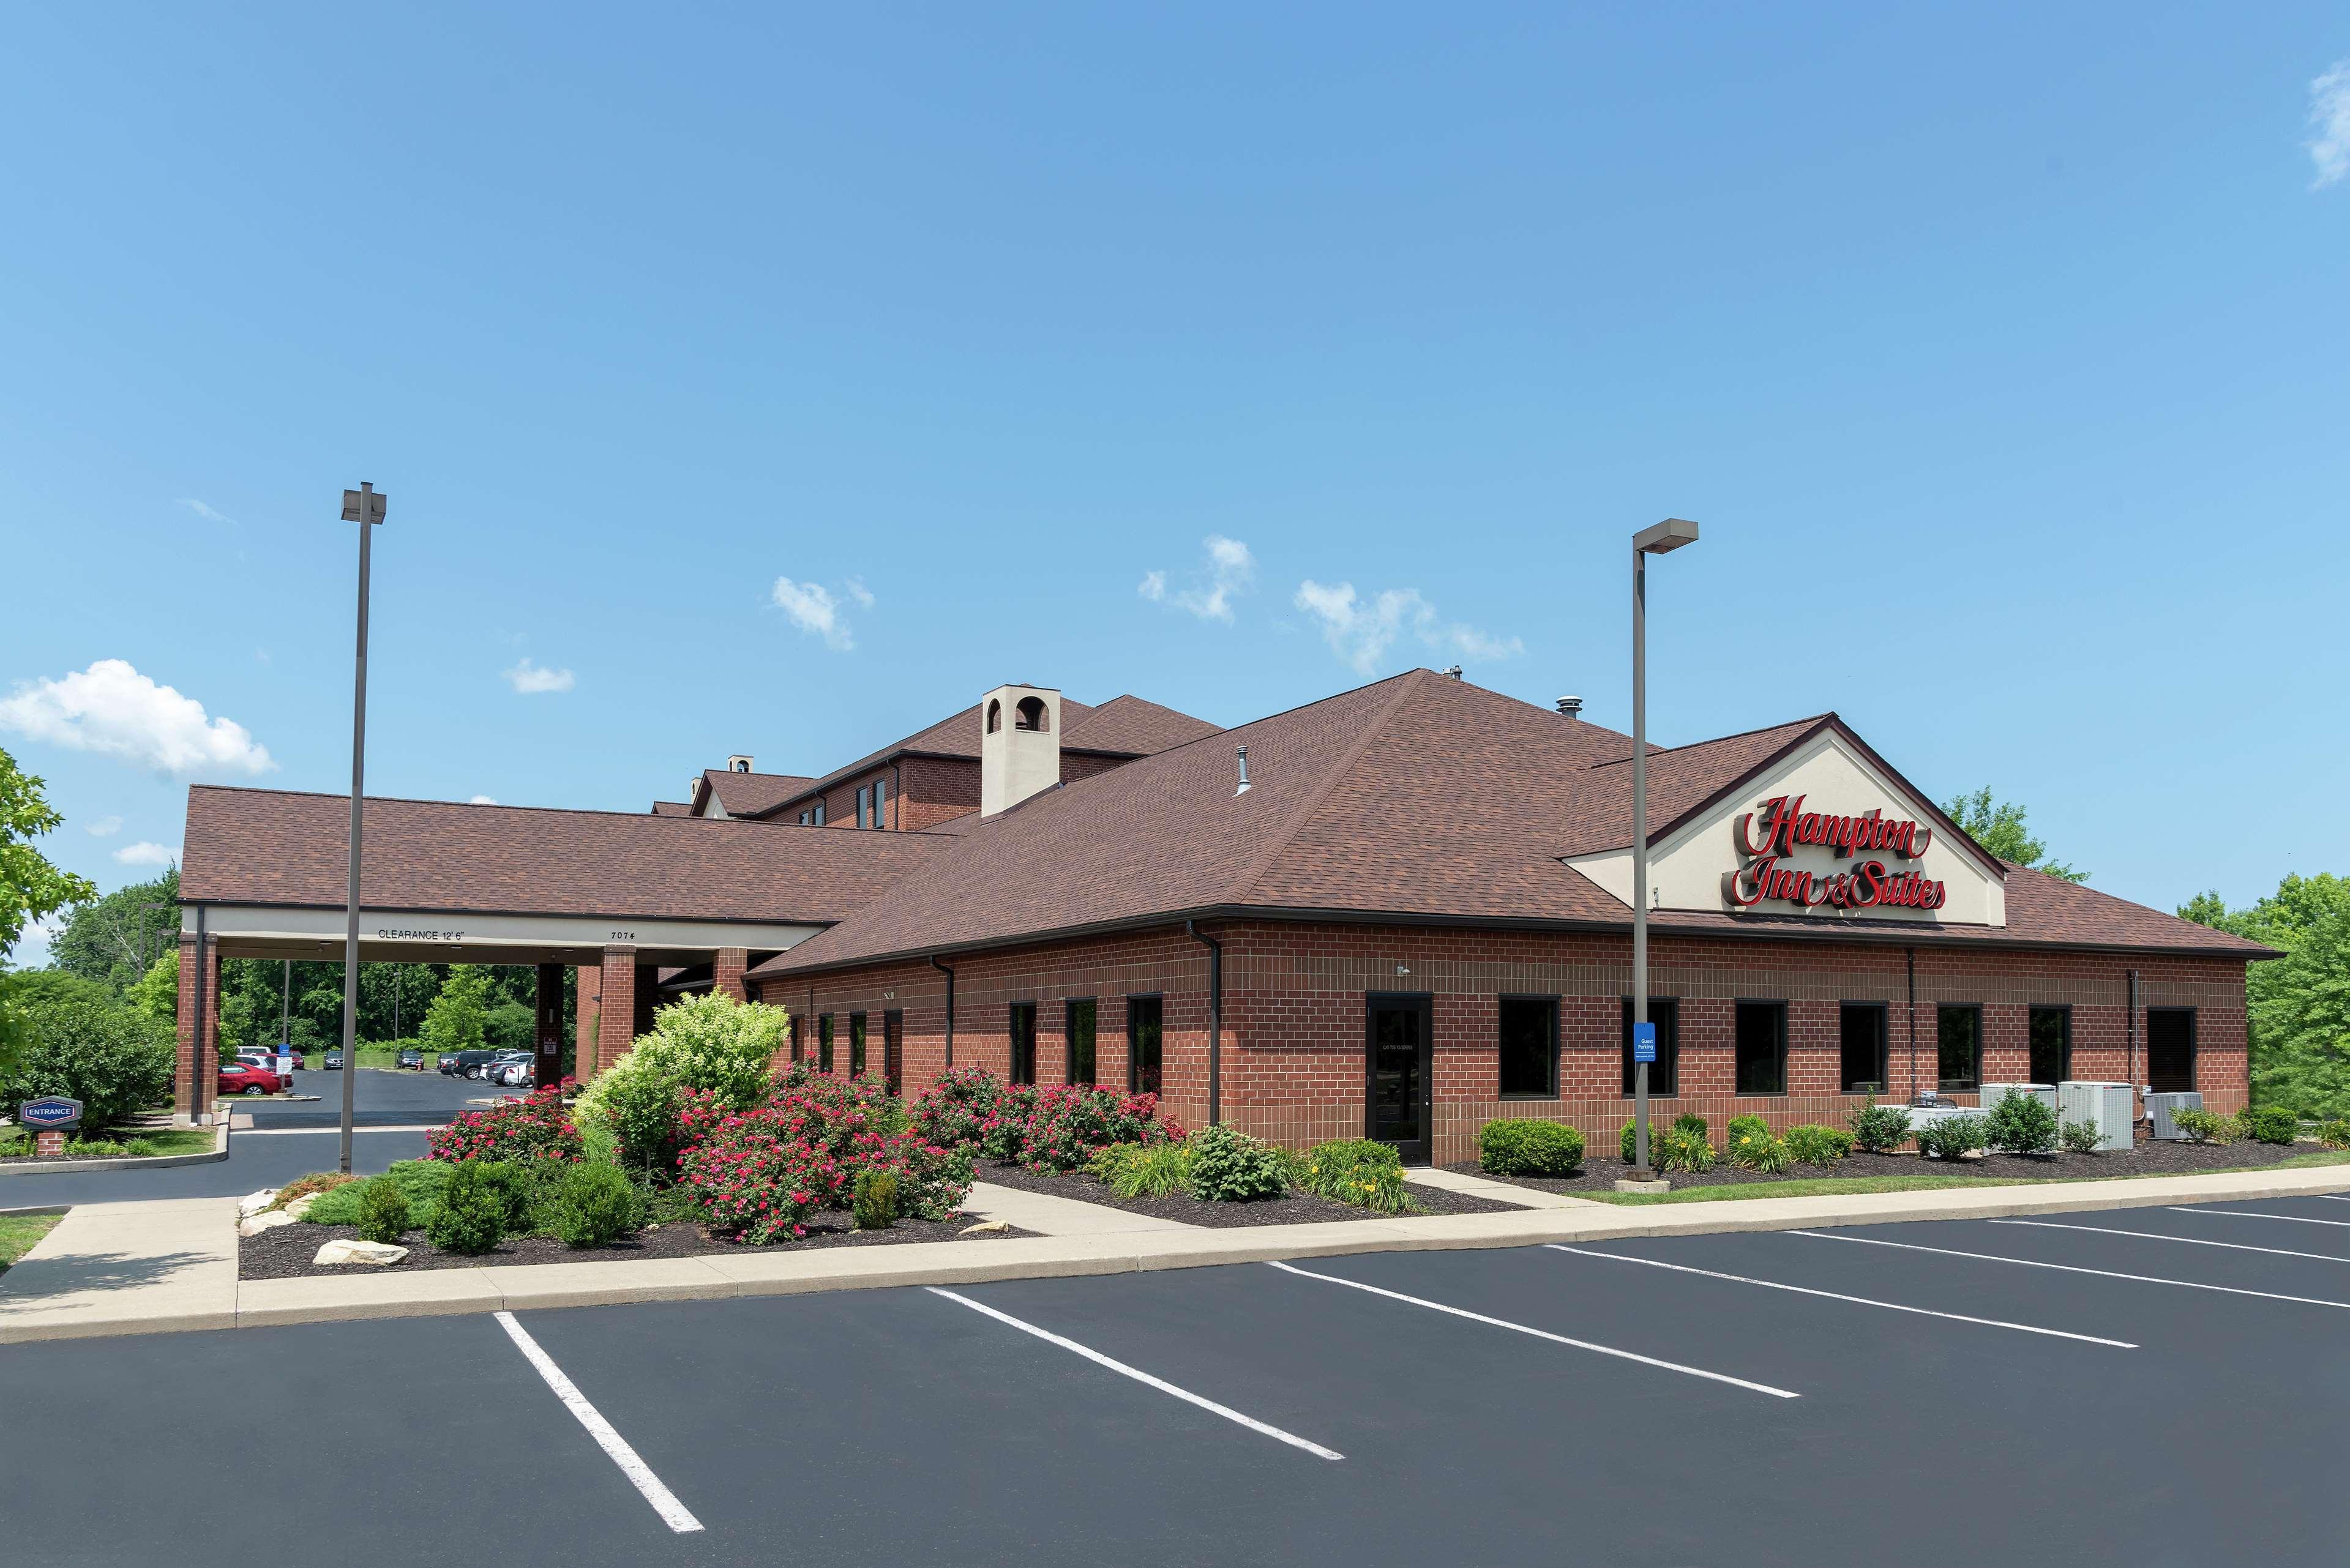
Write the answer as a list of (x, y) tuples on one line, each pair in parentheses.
[(197, 1069), (2129, 1037), (1215, 1021), (949, 974), (1910, 955)]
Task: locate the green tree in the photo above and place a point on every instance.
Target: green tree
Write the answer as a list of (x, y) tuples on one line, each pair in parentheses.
[(1998, 827), (2300, 1003), (30, 887), (157, 993), (459, 1017), (113, 939)]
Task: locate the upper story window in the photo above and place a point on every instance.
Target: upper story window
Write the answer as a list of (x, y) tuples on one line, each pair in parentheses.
[(816, 814), (864, 807), (1030, 714)]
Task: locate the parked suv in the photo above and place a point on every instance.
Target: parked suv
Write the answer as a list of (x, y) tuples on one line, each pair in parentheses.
[(469, 1062), (411, 1058)]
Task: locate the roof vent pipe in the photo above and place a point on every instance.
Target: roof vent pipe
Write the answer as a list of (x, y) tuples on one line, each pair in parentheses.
[(1454, 672), (1571, 707), (1241, 752)]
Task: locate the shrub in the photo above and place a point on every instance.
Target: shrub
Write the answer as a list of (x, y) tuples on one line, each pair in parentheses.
[(382, 1210), (1066, 1124), (2269, 1124), (1519, 1146), (1229, 1167), (2335, 1134), (2022, 1124), (1680, 1149), (1813, 1144), (509, 1184), (2205, 1127), (951, 1110), (594, 1206), (1951, 1137), (470, 1219), (2080, 1137), (303, 1186), (1880, 1129), (931, 1182), (534, 1127), (1745, 1126), (709, 1042), (420, 1181), (1003, 1130), (875, 1201), (1361, 1171), (1754, 1147), (80, 1043), (1144, 1170), (748, 1183)]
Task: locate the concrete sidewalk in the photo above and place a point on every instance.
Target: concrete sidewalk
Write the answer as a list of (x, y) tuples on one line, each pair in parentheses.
[(1050, 1216), (1498, 1191), (144, 1268)]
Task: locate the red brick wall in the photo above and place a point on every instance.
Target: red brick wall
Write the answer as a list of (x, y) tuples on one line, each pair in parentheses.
[(726, 966), (1294, 1017), (616, 1008), (936, 790), (193, 1078)]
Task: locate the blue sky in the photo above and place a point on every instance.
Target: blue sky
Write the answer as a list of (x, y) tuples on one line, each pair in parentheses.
[(1999, 352)]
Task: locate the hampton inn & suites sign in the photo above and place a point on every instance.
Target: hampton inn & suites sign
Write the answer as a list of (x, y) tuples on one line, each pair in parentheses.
[(1768, 836)]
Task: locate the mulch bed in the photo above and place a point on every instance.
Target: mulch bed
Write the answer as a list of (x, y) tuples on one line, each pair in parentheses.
[(2148, 1159), (1297, 1208), (286, 1252)]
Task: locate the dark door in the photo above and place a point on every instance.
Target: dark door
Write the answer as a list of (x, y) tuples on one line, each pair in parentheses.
[(1398, 1077), (2170, 1049)]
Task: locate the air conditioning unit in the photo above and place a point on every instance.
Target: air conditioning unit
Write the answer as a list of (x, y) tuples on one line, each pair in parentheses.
[(1994, 1093), (2160, 1108), (2109, 1107)]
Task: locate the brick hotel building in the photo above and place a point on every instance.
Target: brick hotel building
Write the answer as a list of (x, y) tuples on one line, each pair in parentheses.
[(1401, 912)]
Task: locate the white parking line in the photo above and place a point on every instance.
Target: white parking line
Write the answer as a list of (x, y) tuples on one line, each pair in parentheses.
[(333, 1132), (673, 1513), (1123, 1370), (2249, 1214), (2329, 1196), (1834, 1296), (2070, 1269), (2182, 1240), (1543, 1333)]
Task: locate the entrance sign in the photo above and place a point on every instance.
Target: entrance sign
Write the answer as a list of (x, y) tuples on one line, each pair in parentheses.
[(1643, 1042), (1871, 884), (51, 1113)]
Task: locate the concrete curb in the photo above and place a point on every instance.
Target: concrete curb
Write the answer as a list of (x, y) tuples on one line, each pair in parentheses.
[(151, 1162), (720, 1276)]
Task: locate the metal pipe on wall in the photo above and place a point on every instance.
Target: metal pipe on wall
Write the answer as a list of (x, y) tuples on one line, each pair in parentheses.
[(1215, 1020), (950, 980)]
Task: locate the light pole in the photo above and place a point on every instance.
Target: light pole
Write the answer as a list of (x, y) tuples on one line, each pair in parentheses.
[(365, 508), (1670, 534)]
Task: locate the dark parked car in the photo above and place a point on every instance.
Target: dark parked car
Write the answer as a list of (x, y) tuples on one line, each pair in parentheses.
[(449, 1061), (412, 1059), (245, 1078), (469, 1062)]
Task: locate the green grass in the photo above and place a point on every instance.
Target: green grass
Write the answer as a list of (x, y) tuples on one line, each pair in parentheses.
[(16, 1142), (19, 1231), (370, 1056), (1836, 1186)]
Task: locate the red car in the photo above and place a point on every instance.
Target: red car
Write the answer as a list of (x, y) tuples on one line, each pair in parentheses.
[(245, 1078)]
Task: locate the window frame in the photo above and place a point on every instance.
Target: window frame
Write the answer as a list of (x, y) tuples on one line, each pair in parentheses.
[(1884, 1077), (864, 795), (1014, 1066), (893, 1050), (856, 1044), (1549, 1002), (824, 1044), (1134, 1084), (1738, 1006), (2194, 1048), (880, 803), (795, 1028), (2064, 1049), (818, 810), (1948, 1085), (1070, 1005), (1668, 1053)]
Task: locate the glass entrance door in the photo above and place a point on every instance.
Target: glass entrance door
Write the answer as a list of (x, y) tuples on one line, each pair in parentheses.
[(1399, 1075)]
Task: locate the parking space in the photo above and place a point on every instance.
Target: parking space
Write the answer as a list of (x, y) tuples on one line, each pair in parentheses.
[(380, 1099), (2090, 1389)]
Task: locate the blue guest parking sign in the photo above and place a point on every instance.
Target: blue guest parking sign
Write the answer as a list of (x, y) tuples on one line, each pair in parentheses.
[(51, 1113), (1643, 1042)]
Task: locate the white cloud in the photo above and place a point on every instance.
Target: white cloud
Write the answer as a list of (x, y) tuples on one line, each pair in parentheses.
[(114, 710), (860, 593), (1361, 631), (529, 679), (475, 800), (2329, 111), (1230, 570), (814, 611), (104, 827), (145, 853), (209, 514)]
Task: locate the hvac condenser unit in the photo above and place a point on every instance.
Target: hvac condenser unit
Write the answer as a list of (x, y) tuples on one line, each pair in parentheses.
[(1994, 1093), (2107, 1105), (2161, 1108)]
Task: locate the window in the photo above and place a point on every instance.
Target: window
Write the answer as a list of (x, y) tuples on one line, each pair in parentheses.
[(880, 803), (864, 806), (1529, 1042), (856, 1044), (1864, 1047), (1078, 1030), (803, 819), (1023, 1042), (1958, 1032), (1664, 1072), (2170, 1049), (1762, 1043), (824, 1044), (795, 1036), (2052, 1045), (893, 1050), (994, 717), (1029, 714), (817, 815), (1142, 1015)]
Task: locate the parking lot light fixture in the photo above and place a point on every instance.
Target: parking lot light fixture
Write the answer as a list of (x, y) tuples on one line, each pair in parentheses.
[(364, 506), (1654, 540)]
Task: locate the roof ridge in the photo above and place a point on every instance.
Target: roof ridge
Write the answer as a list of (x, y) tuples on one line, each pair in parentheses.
[(1717, 740), (758, 822), (1408, 683)]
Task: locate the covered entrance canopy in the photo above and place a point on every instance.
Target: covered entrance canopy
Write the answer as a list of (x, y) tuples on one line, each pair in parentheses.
[(262, 874)]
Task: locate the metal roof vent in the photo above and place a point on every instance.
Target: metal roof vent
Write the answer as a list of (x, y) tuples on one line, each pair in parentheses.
[(1571, 707), (1241, 752), (1454, 672)]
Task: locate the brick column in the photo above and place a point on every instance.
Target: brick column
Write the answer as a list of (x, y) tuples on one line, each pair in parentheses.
[(548, 1036), (198, 1061), (726, 966), (616, 1029), (585, 1023)]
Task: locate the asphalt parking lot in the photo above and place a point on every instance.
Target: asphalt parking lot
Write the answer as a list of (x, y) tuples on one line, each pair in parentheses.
[(2150, 1385)]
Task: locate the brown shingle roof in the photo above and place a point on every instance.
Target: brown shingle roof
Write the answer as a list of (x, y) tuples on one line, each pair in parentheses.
[(1416, 796), (748, 794), (672, 808), (275, 846)]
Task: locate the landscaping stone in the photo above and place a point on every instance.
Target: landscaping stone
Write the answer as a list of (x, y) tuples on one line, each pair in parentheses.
[(353, 1251), (252, 1203), (300, 1207), (984, 1228), (253, 1225)]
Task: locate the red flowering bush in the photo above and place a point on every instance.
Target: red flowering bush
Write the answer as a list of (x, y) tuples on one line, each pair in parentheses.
[(1004, 1130), (758, 1174), (1069, 1124), (951, 1110), (752, 1185), (535, 1128), (932, 1180)]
